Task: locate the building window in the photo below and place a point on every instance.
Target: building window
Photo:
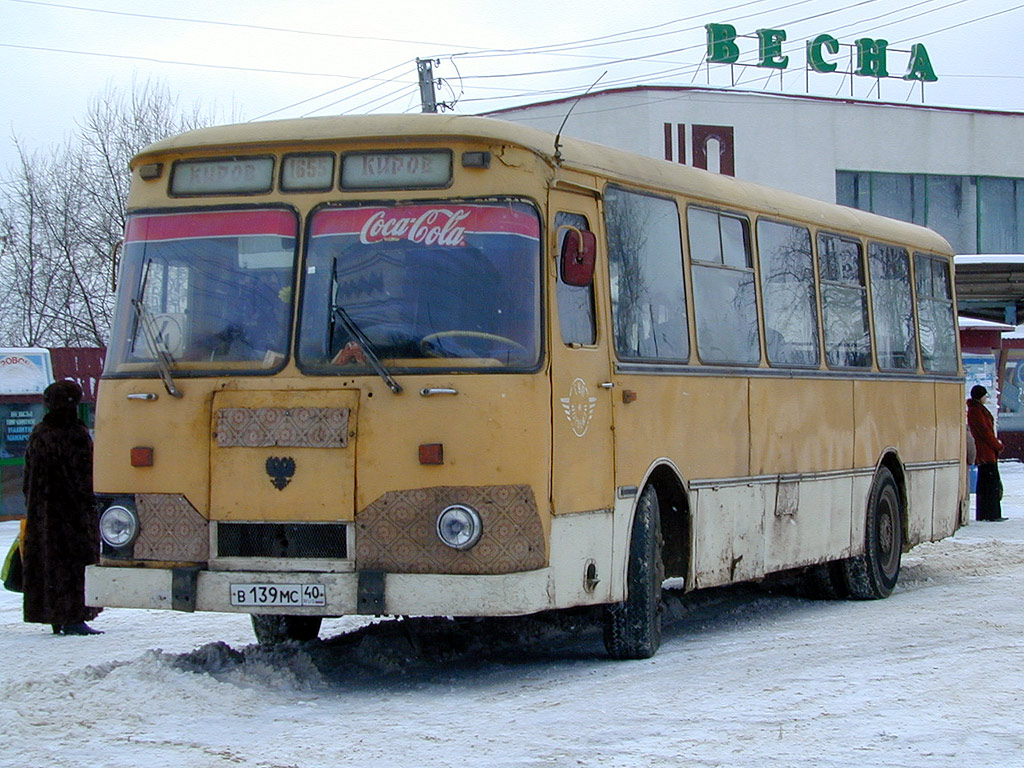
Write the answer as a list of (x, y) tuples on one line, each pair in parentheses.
[(646, 271), (899, 196), (975, 214), (714, 149), (1000, 215), (952, 211)]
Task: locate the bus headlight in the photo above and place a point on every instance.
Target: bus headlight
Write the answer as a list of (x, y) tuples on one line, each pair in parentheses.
[(118, 526), (459, 526)]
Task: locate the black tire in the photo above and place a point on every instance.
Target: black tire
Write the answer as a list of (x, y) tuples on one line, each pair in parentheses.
[(874, 574), (632, 628), (276, 629)]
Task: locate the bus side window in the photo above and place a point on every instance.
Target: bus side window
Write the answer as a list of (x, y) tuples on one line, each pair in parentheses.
[(723, 287), (935, 314), (892, 307), (645, 265), (787, 285), (575, 303), (844, 302)]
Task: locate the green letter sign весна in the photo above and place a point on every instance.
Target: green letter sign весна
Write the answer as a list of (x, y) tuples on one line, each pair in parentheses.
[(872, 54)]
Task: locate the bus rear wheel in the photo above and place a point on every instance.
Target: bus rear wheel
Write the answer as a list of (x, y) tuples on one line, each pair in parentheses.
[(632, 628), (276, 629), (826, 581), (874, 574)]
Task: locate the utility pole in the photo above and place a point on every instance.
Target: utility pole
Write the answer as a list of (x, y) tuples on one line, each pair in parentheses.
[(428, 99)]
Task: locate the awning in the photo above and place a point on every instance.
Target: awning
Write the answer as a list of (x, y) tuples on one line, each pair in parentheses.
[(991, 287)]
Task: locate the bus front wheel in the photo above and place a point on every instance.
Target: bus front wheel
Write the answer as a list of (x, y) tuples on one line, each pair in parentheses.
[(874, 574), (276, 629), (632, 628)]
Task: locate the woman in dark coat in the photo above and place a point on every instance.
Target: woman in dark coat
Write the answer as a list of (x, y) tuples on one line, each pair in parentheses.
[(988, 447), (61, 534)]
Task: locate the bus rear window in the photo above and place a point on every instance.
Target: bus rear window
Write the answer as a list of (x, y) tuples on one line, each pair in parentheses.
[(431, 285)]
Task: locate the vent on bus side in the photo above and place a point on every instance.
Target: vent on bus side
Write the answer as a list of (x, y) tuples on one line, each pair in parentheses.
[(284, 540)]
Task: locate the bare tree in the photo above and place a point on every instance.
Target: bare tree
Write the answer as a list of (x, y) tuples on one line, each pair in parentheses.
[(62, 214)]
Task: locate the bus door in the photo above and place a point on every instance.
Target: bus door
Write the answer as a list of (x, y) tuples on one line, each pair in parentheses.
[(582, 458)]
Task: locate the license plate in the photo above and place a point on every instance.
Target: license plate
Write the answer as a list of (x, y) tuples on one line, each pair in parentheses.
[(279, 595)]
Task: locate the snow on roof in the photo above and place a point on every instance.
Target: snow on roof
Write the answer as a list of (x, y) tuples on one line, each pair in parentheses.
[(990, 258), (985, 325)]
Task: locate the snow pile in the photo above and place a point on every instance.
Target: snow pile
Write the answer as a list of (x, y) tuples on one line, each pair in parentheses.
[(747, 676)]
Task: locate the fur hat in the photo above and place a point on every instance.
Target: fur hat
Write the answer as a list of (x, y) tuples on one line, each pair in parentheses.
[(62, 394)]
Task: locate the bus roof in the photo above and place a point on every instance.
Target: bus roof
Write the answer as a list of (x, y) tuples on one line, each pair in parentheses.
[(575, 154)]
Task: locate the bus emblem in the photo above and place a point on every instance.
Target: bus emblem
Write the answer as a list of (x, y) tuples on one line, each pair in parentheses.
[(579, 407), (280, 470)]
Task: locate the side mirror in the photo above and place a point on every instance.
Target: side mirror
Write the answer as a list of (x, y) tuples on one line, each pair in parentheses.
[(579, 251)]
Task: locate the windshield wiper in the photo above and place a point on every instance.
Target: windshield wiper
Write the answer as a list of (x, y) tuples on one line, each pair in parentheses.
[(368, 349), (164, 360), (360, 338)]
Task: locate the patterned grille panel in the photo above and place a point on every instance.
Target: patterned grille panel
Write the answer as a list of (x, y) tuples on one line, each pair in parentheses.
[(282, 540), (170, 529), (284, 427), (397, 533)]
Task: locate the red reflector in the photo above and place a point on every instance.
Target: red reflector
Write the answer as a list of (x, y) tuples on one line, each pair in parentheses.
[(142, 456), (432, 453)]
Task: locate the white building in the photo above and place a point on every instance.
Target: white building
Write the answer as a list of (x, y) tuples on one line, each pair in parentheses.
[(958, 171)]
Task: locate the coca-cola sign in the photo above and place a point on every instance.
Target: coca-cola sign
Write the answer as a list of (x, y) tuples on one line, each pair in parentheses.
[(438, 225), (435, 226)]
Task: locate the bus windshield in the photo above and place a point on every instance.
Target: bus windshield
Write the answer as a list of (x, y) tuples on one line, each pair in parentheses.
[(205, 291), (430, 285)]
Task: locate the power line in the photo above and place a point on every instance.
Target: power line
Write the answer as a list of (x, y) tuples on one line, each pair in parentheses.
[(856, 24), (963, 23), (237, 25), (677, 69), (650, 56), (340, 88), (990, 77), (400, 89), (680, 70), (402, 93), (559, 48), (176, 63)]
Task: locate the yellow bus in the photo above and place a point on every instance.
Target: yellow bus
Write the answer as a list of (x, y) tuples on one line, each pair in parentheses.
[(444, 365)]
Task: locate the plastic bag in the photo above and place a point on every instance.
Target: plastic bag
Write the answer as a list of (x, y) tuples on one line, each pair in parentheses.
[(11, 574)]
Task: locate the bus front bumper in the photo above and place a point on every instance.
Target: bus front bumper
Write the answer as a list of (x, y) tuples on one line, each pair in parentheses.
[(366, 592)]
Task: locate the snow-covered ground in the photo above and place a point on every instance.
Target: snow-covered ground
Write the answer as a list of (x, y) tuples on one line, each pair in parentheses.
[(933, 676)]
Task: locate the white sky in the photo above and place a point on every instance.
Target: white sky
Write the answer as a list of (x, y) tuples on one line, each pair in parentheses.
[(46, 49)]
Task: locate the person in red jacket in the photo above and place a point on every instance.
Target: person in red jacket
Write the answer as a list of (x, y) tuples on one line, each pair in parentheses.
[(982, 426)]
